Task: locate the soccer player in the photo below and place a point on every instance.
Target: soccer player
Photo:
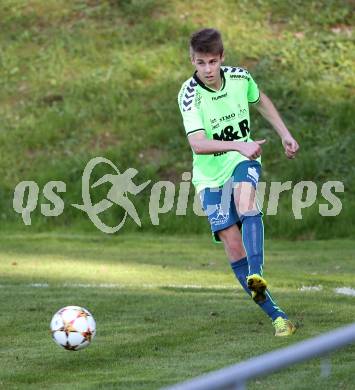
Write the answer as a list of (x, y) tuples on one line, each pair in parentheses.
[(214, 104)]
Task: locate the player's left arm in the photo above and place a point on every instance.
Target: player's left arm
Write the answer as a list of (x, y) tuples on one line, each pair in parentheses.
[(270, 113)]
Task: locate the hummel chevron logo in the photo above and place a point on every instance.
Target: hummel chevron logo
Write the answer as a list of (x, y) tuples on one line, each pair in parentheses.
[(189, 96)]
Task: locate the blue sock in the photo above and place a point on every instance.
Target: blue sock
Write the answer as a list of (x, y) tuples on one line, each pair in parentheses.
[(240, 268), (253, 240)]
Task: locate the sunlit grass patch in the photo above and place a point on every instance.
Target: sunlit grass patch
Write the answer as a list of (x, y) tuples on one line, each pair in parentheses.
[(166, 308)]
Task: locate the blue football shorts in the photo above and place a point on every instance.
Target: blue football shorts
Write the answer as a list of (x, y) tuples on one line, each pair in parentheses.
[(218, 203)]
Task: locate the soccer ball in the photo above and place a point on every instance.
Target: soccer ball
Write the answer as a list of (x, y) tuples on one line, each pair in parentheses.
[(73, 328)]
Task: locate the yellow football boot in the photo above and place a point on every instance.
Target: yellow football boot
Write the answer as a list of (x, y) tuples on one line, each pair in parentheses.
[(283, 327)]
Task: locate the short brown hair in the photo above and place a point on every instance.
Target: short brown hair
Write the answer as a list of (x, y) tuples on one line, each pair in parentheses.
[(207, 40)]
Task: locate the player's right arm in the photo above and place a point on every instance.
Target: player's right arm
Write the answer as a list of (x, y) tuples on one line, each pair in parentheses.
[(200, 144)]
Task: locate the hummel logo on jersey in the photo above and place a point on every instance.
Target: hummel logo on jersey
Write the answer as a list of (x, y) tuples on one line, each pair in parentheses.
[(239, 76), (253, 174), (219, 97)]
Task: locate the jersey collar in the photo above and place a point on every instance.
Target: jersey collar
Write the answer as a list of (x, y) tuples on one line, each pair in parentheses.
[(199, 82)]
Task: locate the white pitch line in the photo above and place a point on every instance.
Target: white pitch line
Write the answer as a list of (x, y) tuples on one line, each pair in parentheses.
[(119, 286), (345, 291), (311, 288), (145, 285), (340, 290)]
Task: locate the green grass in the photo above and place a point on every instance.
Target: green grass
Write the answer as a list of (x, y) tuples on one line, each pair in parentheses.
[(84, 78), (167, 309)]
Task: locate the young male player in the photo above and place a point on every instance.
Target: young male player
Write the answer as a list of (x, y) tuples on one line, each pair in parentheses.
[(214, 104)]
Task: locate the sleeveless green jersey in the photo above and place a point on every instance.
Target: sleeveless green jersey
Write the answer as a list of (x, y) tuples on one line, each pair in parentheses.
[(223, 115)]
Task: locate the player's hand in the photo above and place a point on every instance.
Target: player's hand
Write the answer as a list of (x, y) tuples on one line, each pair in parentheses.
[(291, 146), (251, 150)]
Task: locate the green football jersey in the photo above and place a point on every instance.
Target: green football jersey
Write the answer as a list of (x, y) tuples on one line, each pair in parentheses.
[(222, 115)]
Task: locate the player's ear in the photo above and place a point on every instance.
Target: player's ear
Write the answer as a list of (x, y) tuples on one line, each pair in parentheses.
[(222, 56)]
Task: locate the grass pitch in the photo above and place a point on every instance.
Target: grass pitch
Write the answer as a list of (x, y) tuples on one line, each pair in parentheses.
[(167, 309)]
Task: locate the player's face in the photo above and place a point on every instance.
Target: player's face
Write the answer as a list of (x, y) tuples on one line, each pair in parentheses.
[(208, 68)]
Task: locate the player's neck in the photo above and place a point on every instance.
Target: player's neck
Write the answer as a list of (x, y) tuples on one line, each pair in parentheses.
[(217, 85)]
